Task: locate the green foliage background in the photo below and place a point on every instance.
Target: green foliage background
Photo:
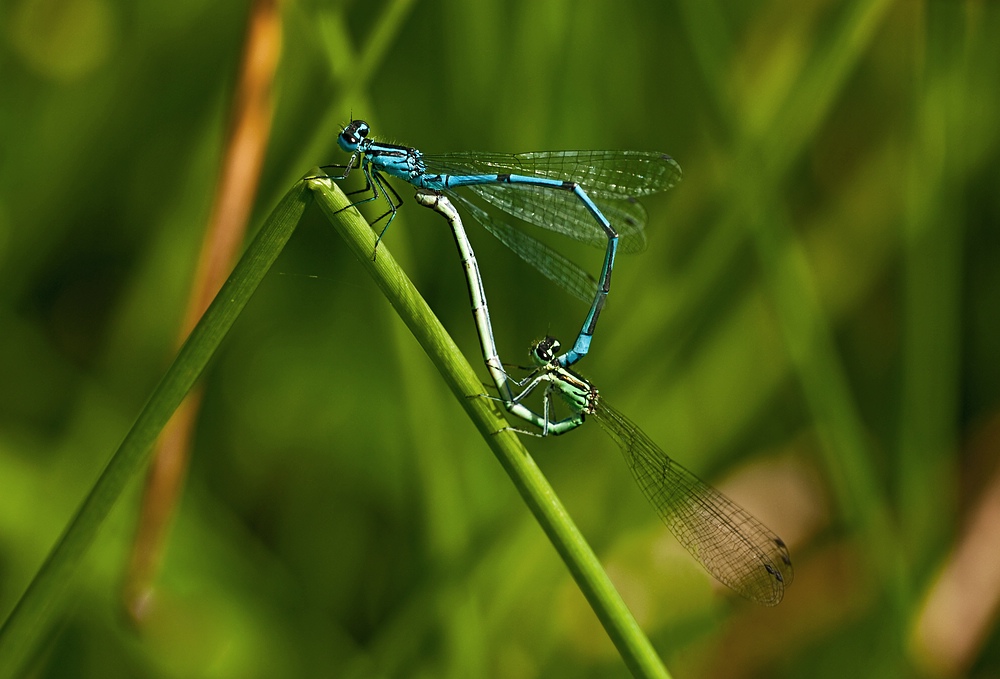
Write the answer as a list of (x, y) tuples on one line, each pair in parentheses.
[(813, 327)]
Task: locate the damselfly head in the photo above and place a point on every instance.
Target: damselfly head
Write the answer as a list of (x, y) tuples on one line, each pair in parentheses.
[(545, 350), (353, 134)]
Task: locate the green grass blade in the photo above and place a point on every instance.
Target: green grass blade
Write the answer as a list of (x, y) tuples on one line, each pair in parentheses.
[(624, 631), (30, 618)]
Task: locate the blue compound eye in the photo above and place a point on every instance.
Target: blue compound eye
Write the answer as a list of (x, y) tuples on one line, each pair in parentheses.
[(354, 133)]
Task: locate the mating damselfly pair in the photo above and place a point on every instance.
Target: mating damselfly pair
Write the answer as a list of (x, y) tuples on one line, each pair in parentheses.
[(590, 196)]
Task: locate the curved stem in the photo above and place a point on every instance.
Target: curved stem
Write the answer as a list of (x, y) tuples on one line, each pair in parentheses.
[(624, 631)]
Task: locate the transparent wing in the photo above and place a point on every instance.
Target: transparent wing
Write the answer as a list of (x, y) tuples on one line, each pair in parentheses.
[(603, 174), (732, 545), (550, 263), (564, 212), (612, 179)]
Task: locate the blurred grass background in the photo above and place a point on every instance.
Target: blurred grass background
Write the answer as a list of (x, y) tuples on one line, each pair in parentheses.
[(813, 328)]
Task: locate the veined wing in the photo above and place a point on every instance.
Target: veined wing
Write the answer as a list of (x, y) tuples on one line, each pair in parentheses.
[(603, 174), (550, 263), (731, 544), (564, 212)]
